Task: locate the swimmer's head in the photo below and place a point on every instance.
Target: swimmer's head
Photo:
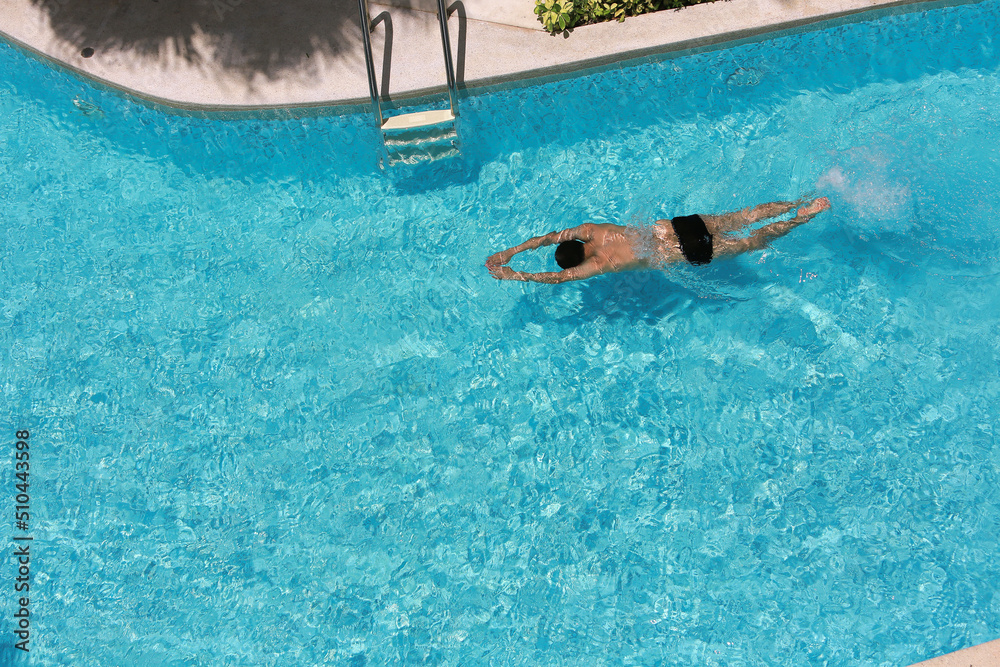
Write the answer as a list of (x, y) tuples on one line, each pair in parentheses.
[(569, 254)]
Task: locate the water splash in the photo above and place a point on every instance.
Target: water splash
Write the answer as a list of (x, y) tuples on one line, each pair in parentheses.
[(877, 200)]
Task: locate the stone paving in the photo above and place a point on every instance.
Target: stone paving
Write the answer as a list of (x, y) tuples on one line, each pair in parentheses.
[(229, 53)]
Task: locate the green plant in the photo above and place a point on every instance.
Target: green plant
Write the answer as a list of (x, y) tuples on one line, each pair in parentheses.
[(606, 10), (558, 15), (555, 15)]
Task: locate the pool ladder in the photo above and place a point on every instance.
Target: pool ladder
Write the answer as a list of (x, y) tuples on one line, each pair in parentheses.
[(421, 135)]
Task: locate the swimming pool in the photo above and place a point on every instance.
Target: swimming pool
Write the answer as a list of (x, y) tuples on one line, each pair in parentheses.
[(280, 414)]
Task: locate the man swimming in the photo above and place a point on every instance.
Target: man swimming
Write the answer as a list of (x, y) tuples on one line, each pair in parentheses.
[(592, 249)]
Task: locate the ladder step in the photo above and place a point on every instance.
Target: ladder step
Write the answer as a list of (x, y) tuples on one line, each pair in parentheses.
[(410, 121)]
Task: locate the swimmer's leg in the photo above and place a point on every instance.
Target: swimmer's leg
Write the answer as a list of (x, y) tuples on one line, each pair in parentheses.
[(730, 222), (727, 245)]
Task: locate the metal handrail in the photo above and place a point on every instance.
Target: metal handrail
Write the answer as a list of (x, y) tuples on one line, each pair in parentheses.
[(449, 68), (366, 29)]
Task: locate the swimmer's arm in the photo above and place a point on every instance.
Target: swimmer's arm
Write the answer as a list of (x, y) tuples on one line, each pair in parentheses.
[(584, 232), (549, 277)]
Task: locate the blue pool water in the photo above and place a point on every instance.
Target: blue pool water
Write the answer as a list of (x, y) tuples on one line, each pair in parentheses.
[(281, 415)]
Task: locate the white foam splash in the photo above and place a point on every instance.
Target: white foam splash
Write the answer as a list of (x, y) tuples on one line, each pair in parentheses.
[(876, 202)]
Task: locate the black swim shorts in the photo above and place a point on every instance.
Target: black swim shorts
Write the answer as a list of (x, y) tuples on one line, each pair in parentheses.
[(693, 236)]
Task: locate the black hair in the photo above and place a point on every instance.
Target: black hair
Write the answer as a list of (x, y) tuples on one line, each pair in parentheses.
[(569, 254)]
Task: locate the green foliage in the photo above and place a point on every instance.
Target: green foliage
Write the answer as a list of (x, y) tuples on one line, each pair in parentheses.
[(557, 15)]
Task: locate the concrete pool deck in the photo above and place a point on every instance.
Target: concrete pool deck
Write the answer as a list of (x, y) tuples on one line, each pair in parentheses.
[(227, 55)]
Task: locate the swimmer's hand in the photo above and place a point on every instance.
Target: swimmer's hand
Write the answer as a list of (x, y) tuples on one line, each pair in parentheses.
[(498, 269), (504, 273), (499, 259)]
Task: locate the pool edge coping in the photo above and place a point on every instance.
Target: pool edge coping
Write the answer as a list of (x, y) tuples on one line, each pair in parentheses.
[(788, 21)]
